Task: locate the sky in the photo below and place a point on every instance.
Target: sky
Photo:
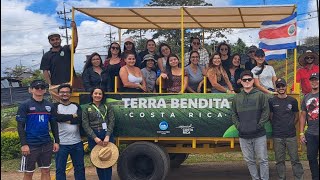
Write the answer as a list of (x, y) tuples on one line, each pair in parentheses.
[(25, 25)]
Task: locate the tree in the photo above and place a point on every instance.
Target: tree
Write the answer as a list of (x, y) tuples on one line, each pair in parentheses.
[(239, 47), (37, 74), (172, 37), (16, 71), (311, 41)]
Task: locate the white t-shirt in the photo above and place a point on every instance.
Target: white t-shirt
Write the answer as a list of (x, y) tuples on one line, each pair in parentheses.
[(265, 78)]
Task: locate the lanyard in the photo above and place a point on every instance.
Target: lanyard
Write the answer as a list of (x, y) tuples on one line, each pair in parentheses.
[(105, 114)]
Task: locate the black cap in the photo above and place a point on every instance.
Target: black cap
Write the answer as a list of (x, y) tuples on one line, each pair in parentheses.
[(38, 82), (281, 81), (260, 53), (246, 73), (314, 75)]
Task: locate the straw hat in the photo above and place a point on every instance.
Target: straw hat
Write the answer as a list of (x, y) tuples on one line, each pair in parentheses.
[(302, 62), (104, 157)]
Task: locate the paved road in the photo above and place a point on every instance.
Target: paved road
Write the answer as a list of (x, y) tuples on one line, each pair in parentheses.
[(235, 170)]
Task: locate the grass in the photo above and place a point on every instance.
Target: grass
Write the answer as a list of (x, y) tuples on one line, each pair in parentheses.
[(14, 164)]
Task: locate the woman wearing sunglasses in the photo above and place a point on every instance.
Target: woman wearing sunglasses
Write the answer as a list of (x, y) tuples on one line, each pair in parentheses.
[(263, 74), (224, 51), (113, 63), (195, 45)]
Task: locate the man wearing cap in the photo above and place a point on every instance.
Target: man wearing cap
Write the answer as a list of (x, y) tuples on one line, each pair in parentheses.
[(33, 119), (310, 114), (251, 63), (148, 73), (284, 115), (309, 62), (250, 111), (56, 63)]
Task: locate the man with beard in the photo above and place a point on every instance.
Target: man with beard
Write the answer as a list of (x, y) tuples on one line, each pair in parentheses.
[(309, 62), (69, 118), (56, 63), (284, 115), (310, 113)]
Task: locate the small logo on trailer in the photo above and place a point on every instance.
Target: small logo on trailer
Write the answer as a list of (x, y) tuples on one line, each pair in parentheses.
[(163, 126)]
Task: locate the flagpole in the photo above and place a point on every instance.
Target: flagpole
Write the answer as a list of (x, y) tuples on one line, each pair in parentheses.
[(295, 87), (286, 66)]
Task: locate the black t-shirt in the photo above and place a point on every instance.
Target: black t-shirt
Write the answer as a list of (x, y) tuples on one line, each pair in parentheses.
[(58, 63), (283, 125)]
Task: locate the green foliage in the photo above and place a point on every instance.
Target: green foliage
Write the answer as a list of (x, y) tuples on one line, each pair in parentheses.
[(239, 47), (311, 41), (10, 145), (8, 117), (16, 71), (173, 36), (37, 74)]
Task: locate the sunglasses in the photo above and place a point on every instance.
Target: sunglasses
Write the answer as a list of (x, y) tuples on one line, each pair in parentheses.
[(39, 87), (280, 86), (247, 80), (127, 43), (115, 48), (195, 43), (225, 49), (309, 58)]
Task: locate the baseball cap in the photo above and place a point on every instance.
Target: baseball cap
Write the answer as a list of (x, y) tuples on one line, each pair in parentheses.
[(314, 75), (128, 40), (260, 53), (246, 73), (281, 81), (252, 48), (53, 34), (38, 82)]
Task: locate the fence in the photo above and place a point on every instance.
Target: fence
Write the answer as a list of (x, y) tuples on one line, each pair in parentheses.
[(15, 95)]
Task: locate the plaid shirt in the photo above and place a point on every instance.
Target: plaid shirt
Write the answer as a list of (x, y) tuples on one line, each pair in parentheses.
[(204, 57)]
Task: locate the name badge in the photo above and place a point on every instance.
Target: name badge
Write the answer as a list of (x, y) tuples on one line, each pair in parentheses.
[(104, 126)]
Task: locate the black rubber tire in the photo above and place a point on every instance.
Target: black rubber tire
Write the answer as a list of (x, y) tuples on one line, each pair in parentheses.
[(143, 161), (176, 159)]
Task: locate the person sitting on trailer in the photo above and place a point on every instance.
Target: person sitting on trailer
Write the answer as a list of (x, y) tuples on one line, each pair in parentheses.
[(195, 45), (150, 49), (113, 63), (94, 74), (218, 77), (148, 73), (263, 74), (195, 73), (131, 76), (173, 76)]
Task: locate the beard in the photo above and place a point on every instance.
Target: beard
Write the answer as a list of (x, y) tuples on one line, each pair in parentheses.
[(309, 62), (64, 100)]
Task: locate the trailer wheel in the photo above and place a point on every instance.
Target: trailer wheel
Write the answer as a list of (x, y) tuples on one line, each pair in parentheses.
[(176, 159), (143, 161)]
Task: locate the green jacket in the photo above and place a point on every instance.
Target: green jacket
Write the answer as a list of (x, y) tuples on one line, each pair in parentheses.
[(250, 111), (91, 119)]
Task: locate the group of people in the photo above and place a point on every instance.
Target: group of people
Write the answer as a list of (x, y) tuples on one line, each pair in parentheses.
[(141, 72), (65, 119)]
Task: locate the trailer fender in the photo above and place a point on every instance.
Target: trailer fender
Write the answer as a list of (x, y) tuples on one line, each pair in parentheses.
[(176, 159)]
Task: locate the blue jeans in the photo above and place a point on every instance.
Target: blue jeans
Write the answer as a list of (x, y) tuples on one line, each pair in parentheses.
[(103, 173), (77, 156), (312, 154), (252, 148)]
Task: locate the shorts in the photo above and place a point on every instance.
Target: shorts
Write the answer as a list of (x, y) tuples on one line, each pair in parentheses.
[(40, 155)]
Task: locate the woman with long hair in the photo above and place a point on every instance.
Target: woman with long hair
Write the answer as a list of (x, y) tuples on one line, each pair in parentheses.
[(113, 63), (234, 72), (98, 122), (131, 76), (195, 73), (164, 52), (173, 76), (218, 77), (129, 46), (224, 51), (94, 74), (263, 74)]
